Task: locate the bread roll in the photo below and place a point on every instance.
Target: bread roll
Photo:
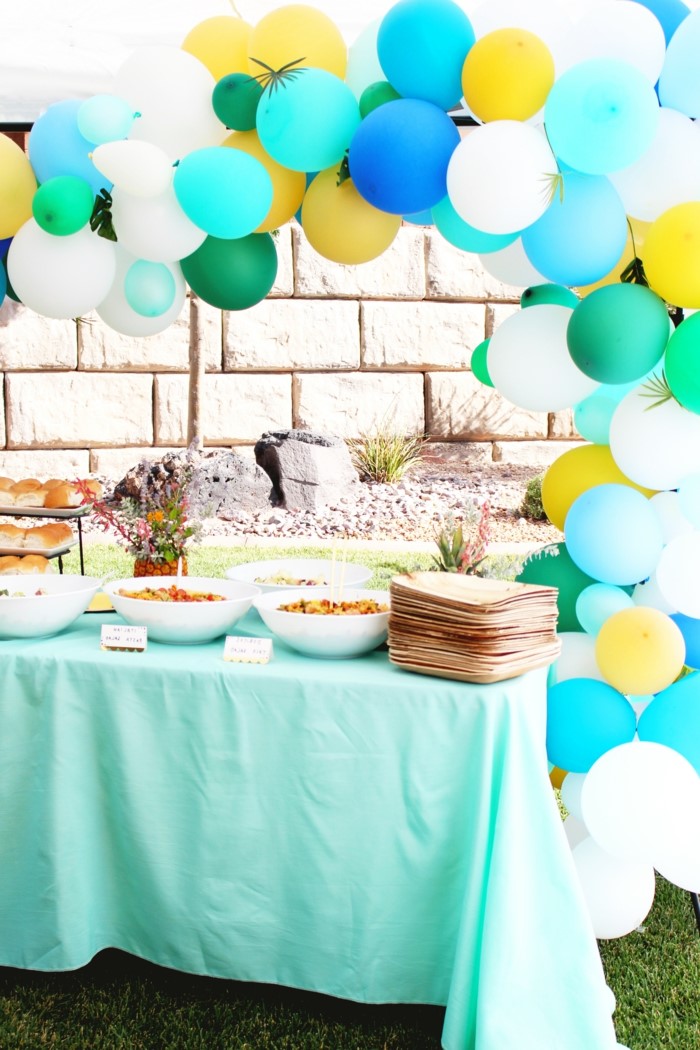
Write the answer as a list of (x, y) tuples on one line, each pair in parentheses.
[(65, 495), (53, 482), (6, 483), (33, 564), (32, 498), (9, 565), (11, 536), (46, 537), (26, 485), (94, 485), (7, 498)]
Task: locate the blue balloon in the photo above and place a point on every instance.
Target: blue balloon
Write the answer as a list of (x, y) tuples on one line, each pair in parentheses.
[(586, 718), (690, 629), (673, 718), (679, 83), (56, 146), (421, 46), (596, 603), (223, 190), (149, 288), (3, 282), (581, 236), (399, 156), (5, 246), (613, 533), (459, 233), (670, 13), (601, 115), (420, 218)]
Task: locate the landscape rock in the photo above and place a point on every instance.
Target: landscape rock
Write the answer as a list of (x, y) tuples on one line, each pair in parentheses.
[(308, 471)]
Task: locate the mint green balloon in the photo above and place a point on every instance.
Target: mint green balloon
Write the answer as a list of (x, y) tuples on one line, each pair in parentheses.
[(149, 288), (683, 363), (479, 363), (556, 294), (63, 205)]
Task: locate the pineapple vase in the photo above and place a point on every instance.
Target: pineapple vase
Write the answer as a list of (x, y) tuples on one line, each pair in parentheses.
[(145, 567)]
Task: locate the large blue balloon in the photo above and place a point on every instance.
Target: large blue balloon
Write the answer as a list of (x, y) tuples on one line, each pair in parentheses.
[(458, 232), (421, 46), (223, 190), (670, 13), (582, 234), (400, 153), (690, 629), (673, 718), (585, 718), (56, 146), (601, 116), (679, 83), (613, 533)]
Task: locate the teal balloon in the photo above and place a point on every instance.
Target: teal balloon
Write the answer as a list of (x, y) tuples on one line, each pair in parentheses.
[(554, 294), (581, 235), (376, 94), (222, 190), (307, 124), (56, 146), (673, 718), (422, 45), (420, 218), (586, 718), (682, 363), (3, 282), (598, 602), (459, 233), (593, 416), (149, 288), (105, 118), (601, 116), (479, 363), (232, 274), (553, 567), (235, 101), (618, 333), (63, 205)]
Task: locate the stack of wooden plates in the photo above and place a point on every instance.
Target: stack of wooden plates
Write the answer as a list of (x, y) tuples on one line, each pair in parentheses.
[(471, 629)]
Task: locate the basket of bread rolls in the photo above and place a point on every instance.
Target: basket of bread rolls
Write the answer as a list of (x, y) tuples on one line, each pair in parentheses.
[(54, 536), (54, 494)]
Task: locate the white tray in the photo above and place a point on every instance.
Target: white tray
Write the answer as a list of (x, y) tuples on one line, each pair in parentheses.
[(45, 512), (48, 552)]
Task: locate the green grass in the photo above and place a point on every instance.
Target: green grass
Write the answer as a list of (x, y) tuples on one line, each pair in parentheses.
[(121, 1003)]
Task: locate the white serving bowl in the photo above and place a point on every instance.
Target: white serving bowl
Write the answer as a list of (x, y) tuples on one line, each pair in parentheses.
[(339, 575), (32, 616), (329, 637), (183, 623)]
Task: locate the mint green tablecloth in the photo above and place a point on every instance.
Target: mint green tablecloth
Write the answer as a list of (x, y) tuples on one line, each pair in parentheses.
[(339, 826)]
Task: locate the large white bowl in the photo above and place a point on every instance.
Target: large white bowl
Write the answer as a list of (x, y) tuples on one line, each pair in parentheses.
[(183, 623), (329, 637), (32, 616), (339, 575)]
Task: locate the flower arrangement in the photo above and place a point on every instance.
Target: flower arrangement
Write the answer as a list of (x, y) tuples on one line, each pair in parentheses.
[(155, 528), (459, 551)]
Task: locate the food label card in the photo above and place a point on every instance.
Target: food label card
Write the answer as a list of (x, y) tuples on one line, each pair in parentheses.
[(238, 649), (123, 637)]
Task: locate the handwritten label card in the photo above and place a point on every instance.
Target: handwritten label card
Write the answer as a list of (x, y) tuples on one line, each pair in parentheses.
[(247, 650), (123, 637)]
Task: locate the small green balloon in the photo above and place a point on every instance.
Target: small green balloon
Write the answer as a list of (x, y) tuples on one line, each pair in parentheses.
[(376, 94), (682, 363), (553, 294), (618, 333), (232, 274), (552, 566), (63, 205), (479, 363), (235, 101)]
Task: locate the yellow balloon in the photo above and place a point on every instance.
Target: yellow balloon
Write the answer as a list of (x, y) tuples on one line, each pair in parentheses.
[(507, 75), (640, 650), (17, 187), (301, 35), (672, 255), (341, 225), (288, 186), (221, 44), (636, 234), (575, 472)]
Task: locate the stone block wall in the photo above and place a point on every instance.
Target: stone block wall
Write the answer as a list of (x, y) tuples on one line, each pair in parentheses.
[(335, 349)]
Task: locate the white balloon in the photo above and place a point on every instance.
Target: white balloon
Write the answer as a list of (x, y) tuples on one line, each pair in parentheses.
[(668, 509), (668, 173), (61, 277), (627, 32), (530, 364), (139, 168), (649, 595), (498, 175), (678, 574), (577, 657), (545, 18), (172, 91), (619, 893), (680, 863), (641, 800), (571, 789), (155, 228), (654, 445), (119, 315), (512, 266), (575, 831)]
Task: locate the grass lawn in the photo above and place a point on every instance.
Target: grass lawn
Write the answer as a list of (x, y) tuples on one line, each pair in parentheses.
[(121, 1003)]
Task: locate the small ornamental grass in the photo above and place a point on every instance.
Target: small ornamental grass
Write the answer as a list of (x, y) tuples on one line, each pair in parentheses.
[(385, 455), (531, 506)]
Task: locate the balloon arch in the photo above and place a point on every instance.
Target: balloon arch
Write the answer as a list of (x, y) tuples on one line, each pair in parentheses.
[(581, 170)]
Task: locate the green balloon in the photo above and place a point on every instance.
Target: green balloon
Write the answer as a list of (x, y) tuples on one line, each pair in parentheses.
[(553, 294), (552, 567), (683, 363), (479, 363), (235, 101), (63, 205), (232, 274), (618, 333), (375, 95)]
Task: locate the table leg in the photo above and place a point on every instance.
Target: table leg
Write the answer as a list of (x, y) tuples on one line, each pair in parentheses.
[(80, 546)]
